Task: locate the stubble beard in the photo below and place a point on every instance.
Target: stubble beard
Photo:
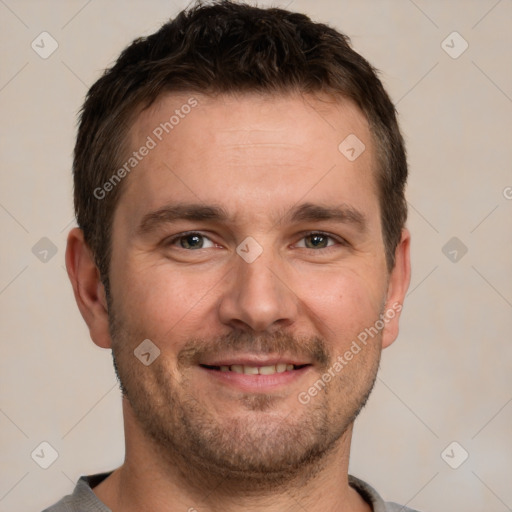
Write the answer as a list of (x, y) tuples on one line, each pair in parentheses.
[(252, 451)]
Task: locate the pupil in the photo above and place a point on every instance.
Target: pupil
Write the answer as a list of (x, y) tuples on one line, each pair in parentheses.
[(192, 242), (317, 240)]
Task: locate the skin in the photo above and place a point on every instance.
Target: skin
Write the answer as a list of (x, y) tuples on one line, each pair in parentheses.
[(195, 439)]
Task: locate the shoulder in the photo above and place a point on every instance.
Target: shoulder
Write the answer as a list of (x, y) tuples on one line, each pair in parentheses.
[(66, 504), (83, 498), (374, 498)]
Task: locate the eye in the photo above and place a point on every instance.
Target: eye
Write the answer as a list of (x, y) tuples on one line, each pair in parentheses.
[(318, 240), (191, 241)]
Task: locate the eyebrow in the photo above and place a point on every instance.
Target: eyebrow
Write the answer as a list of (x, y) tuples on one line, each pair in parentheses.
[(343, 213), (305, 212), (181, 211)]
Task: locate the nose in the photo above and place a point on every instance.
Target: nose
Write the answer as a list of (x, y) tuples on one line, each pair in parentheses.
[(257, 297)]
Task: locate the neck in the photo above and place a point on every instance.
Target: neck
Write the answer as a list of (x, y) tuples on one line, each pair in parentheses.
[(150, 480)]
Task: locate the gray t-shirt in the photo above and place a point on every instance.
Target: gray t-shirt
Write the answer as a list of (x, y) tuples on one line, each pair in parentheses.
[(83, 498)]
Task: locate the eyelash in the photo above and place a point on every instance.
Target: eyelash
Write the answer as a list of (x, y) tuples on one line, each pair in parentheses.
[(339, 241)]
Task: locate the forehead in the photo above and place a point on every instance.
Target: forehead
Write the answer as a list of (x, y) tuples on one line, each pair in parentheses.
[(251, 152)]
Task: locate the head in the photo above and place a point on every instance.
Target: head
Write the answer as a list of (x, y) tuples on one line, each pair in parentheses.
[(274, 145)]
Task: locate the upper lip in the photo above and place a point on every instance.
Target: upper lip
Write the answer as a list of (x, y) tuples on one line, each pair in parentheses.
[(253, 360)]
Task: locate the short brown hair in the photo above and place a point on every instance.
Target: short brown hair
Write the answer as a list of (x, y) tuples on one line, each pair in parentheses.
[(227, 47)]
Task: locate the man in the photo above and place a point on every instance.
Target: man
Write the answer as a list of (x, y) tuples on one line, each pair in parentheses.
[(239, 190)]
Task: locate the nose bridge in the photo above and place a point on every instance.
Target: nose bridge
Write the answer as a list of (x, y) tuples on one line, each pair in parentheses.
[(258, 297), (261, 274)]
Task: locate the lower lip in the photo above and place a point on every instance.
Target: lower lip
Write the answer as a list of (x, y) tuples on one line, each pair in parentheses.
[(257, 383)]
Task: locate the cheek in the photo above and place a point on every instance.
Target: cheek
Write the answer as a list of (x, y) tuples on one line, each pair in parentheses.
[(159, 301), (343, 301)]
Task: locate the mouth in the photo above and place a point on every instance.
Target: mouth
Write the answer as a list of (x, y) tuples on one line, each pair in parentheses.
[(256, 374), (269, 369)]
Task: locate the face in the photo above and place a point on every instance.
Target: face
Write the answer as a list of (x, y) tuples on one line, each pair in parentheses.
[(247, 247)]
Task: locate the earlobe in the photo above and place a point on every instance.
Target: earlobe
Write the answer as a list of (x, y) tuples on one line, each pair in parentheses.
[(399, 280), (87, 287)]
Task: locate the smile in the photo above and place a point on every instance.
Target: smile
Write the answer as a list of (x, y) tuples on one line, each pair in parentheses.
[(250, 375), (256, 370)]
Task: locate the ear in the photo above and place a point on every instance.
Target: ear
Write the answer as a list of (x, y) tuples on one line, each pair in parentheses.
[(88, 288), (398, 285)]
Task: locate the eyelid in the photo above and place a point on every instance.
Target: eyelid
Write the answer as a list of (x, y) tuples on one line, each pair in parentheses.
[(174, 238), (339, 240)]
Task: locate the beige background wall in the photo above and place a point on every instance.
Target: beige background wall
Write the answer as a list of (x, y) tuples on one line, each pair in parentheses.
[(447, 378)]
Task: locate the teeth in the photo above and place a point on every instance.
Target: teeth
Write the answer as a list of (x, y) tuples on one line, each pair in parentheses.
[(267, 370), (255, 370)]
